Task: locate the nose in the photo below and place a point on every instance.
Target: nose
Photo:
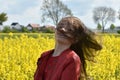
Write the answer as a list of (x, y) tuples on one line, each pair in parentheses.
[(62, 29)]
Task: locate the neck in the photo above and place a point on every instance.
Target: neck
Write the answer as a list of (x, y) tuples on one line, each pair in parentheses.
[(59, 48)]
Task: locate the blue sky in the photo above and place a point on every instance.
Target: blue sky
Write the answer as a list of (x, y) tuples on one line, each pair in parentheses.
[(28, 11)]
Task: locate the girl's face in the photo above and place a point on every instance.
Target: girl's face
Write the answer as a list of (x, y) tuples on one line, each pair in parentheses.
[(70, 29), (61, 38), (64, 33)]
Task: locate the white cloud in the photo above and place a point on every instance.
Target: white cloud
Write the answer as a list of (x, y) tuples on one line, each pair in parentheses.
[(64, 0), (81, 8), (29, 15), (88, 20), (6, 5), (108, 3)]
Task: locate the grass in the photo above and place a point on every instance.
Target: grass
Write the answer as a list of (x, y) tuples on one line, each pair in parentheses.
[(49, 35), (34, 35), (110, 34)]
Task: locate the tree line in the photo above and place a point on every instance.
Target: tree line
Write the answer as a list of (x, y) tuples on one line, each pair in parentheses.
[(54, 10)]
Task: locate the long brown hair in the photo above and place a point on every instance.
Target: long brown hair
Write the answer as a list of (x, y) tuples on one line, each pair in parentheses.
[(85, 44)]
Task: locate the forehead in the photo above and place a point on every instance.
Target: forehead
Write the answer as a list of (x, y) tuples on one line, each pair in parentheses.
[(69, 23), (65, 22)]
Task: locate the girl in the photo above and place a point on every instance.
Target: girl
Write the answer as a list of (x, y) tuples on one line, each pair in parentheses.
[(74, 43)]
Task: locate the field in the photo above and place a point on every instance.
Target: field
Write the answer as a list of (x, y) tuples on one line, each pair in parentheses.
[(19, 53)]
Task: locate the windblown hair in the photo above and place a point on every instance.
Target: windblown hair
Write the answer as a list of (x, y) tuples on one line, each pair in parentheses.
[(85, 44)]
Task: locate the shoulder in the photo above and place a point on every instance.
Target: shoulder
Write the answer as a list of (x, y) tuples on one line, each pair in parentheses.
[(71, 56), (74, 57), (71, 59), (45, 53)]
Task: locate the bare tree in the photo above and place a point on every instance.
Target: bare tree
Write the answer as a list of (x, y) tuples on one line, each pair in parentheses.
[(102, 15), (119, 14), (54, 10)]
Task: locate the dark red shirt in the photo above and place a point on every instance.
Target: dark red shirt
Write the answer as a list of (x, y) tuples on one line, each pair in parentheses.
[(66, 66), (50, 67)]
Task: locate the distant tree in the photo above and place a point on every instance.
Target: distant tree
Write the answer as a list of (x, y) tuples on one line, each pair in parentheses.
[(35, 30), (24, 29), (6, 29), (102, 15), (54, 10), (3, 17), (112, 26), (99, 27), (48, 30), (118, 31)]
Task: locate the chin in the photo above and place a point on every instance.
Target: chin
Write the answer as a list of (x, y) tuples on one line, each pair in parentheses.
[(62, 41)]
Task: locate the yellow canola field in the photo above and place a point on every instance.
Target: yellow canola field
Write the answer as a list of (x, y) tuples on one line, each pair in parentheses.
[(18, 57)]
